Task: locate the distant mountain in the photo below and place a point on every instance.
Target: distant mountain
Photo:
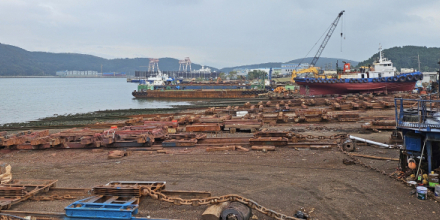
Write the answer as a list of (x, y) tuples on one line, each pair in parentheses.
[(406, 57), (15, 61), (322, 62)]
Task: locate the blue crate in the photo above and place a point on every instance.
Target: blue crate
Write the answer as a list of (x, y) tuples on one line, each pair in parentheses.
[(89, 208)]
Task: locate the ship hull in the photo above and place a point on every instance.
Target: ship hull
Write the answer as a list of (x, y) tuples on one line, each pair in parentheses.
[(346, 88), (198, 94)]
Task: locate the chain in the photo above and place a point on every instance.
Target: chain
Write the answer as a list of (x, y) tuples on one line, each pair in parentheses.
[(331, 137), (156, 194), (359, 162)]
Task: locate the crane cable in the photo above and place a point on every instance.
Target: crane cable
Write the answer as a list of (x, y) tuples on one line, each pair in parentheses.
[(342, 30)]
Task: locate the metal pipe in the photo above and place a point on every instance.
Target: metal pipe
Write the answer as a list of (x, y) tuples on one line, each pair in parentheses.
[(421, 157), (371, 142)]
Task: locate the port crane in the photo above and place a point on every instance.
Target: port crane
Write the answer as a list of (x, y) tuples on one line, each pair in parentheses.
[(312, 67)]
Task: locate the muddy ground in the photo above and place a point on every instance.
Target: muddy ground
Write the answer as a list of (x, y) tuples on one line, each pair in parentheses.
[(285, 180)]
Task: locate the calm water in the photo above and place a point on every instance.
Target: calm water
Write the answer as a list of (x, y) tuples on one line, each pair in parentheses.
[(27, 99)]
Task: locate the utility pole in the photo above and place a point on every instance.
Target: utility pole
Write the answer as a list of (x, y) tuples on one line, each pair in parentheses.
[(418, 60), (438, 83)]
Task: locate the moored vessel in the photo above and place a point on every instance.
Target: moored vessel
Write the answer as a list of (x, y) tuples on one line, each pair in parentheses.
[(382, 77), (161, 86)]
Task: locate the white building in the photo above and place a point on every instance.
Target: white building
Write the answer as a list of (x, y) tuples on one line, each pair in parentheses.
[(429, 77), (75, 73)]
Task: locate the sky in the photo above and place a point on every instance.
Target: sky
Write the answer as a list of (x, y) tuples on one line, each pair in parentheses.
[(218, 33)]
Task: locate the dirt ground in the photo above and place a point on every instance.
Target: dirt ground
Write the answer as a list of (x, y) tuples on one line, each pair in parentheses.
[(284, 180)]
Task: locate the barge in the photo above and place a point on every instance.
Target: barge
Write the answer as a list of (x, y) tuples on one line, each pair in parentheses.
[(163, 87)]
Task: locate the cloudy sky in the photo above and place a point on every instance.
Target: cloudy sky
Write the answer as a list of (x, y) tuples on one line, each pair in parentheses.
[(218, 33)]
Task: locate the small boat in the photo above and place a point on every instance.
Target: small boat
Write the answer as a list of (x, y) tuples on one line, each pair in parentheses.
[(382, 77)]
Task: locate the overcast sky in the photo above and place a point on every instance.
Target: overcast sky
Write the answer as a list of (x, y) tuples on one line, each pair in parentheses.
[(217, 33)]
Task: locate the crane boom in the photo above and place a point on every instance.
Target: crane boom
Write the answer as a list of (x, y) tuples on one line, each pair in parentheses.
[(326, 39)]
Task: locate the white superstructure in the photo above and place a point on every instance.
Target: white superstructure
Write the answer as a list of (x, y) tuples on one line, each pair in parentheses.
[(382, 67), (158, 80)]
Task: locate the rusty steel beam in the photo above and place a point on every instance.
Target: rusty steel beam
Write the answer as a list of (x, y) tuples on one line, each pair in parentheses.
[(187, 136), (173, 124), (203, 127), (285, 134), (269, 141), (384, 122), (378, 127), (179, 143), (224, 140)]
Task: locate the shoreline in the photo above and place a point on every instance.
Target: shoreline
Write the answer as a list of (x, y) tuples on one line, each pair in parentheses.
[(106, 116)]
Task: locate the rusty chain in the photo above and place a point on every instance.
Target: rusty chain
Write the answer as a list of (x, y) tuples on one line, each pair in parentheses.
[(156, 194), (359, 162), (331, 137)]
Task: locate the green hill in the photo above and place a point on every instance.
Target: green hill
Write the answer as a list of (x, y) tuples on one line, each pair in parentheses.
[(406, 57), (15, 61)]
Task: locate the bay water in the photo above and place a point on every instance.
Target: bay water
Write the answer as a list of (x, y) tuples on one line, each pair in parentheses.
[(28, 99)]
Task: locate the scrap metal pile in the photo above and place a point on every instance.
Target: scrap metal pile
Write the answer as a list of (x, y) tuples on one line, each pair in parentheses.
[(186, 130)]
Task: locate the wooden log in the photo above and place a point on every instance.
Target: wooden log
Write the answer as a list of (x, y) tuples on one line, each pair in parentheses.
[(213, 211), (163, 152), (267, 148), (240, 148), (374, 157)]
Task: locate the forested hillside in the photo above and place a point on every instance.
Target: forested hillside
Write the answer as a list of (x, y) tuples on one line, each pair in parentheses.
[(406, 57), (15, 61)]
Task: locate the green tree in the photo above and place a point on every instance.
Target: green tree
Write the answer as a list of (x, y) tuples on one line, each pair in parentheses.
[(256, 74), (222, 75), (232, 75)]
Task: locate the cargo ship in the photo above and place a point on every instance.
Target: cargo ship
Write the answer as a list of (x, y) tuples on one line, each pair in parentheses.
[(382, 77), (163, 87)]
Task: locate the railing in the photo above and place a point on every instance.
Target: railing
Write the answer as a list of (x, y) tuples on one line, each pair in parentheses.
[(419, 114)]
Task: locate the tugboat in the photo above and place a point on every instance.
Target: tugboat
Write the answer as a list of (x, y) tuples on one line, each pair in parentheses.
[(382, 77)]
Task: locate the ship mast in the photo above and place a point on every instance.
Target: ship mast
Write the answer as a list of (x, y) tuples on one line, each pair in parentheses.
[(380, 53)]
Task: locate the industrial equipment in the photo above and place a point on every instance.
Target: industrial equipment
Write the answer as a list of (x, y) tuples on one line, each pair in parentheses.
[(319, 52)]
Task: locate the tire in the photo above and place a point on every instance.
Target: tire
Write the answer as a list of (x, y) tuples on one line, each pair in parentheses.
[(402, 78), (342, 80), (351, 80), (418, 77), (410, 77), (383, 79), (374, 80), (319, 80), (395, 79), (365, 80), (316, 80), (307, 80), (390, 79)]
